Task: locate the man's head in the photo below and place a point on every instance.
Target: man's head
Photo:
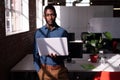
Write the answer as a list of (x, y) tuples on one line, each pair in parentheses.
[(50, 15)]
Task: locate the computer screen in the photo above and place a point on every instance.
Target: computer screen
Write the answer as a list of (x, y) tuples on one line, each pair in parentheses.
[(75, 50), (71, 36)]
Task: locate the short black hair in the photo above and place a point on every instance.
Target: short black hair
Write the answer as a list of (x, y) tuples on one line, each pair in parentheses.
[(50, 7)]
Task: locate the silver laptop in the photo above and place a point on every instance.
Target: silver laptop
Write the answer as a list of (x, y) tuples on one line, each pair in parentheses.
[(58, 46)]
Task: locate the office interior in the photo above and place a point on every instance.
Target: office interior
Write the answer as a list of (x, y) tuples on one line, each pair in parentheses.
[(14, 47)]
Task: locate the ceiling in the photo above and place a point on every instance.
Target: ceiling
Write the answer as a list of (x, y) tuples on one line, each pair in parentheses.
[(115, 3)]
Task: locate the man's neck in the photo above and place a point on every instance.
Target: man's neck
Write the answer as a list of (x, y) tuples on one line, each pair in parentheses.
[(50, 27)]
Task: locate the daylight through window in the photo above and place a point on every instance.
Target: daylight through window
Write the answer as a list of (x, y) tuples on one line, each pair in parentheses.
[(16, 16)]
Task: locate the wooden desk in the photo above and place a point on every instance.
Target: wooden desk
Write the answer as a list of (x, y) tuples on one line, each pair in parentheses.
[(112, 64), (26, 66), (24, 69), (108, 71)]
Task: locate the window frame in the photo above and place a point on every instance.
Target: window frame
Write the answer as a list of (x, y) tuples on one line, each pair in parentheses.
[(16, 16)]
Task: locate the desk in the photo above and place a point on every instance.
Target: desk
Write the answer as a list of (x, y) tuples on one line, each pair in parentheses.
[(108, 71), (112, 64), (24, 69), (26, 64), (113, 60)]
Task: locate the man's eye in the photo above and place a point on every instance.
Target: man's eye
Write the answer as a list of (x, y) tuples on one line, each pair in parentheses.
[(47, 14), (50, 15)]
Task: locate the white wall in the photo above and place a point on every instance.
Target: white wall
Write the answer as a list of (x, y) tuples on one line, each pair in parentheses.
[(106, 24), (76, 19)]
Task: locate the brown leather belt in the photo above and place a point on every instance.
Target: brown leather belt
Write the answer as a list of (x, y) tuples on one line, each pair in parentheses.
[(52, 67)]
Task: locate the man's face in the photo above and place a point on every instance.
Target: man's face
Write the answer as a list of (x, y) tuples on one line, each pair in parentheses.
[(50, 17)]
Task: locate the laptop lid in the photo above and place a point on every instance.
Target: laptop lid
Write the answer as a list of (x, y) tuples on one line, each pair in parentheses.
[(57, 46)]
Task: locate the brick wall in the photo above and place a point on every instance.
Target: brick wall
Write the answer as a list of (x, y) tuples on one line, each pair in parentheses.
[(13, 48)]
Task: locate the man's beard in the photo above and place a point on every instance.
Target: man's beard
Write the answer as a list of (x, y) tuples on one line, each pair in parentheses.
[(51, 23)]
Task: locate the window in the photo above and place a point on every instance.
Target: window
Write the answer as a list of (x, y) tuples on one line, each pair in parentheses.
[(39, 13), (16, 16)]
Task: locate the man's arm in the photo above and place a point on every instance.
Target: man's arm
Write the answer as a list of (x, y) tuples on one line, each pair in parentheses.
[(36, 56)]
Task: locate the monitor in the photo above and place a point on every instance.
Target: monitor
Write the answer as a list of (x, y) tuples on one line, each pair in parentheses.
[(71, 36), (75, 49)]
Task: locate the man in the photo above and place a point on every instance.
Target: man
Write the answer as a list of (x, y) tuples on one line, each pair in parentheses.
[(50, 67)]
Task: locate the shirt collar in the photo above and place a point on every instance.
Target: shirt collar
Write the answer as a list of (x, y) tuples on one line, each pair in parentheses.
[(55, 27)]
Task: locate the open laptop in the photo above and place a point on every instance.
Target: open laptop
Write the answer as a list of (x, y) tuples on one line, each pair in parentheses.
[(57, 46)]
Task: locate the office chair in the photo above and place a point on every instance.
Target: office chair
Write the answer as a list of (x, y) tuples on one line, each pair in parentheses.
[(106, 75)]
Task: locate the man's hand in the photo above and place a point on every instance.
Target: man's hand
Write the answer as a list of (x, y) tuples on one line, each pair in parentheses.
[(52, 55)]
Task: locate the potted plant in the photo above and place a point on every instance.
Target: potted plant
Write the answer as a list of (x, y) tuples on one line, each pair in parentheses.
[(93, 45)]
